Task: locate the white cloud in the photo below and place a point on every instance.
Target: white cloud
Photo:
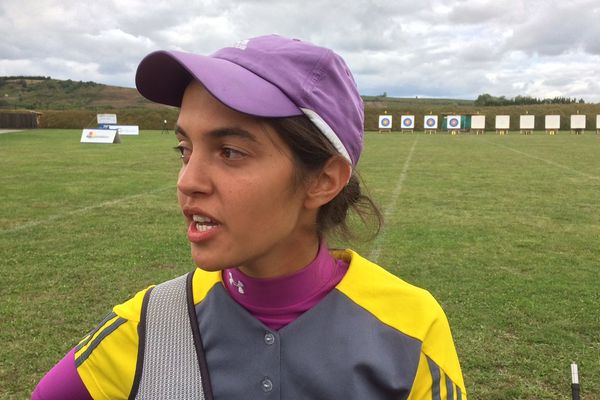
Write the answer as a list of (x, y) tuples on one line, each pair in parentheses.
[(456, 48)]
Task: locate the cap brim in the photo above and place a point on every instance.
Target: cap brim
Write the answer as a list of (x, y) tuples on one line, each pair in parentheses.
[(162, 77)]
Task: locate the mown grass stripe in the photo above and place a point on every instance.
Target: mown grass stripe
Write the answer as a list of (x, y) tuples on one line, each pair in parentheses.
[(549, 162), (51, 218), (391, 206)]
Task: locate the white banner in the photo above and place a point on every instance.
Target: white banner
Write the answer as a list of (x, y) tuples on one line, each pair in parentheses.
[(578, 121), (502, 121), (527, 122), (126, 130), (408, 122), (552, 121), (106, 136), (478, 122), (385, 122), (106, 118), (430, 122), (453, 122)]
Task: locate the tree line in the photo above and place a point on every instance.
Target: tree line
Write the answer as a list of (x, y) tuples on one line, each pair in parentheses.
[(489, 100), (29, 78)]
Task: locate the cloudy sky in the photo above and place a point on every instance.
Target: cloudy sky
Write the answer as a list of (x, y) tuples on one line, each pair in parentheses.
[(425, 48)]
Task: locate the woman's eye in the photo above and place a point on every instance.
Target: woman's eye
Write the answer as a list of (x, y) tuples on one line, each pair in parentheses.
[(231, 154), (183, 151)]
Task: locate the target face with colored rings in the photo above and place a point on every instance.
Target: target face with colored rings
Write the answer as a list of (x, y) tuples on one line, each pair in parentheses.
[(407, 122), (453, 122), (430, 122), (385, 122)]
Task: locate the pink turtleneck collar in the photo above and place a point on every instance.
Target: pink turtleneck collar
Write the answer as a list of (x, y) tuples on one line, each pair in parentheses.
[(278, 301)]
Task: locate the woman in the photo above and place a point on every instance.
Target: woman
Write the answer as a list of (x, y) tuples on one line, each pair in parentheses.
[(269, 133)]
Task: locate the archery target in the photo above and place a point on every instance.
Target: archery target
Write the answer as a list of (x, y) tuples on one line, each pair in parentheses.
[(430, 122), (385, 122), (454, 122), (408, 121)]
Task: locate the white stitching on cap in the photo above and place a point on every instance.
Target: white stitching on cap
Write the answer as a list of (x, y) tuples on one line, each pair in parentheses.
[(327, 131), (242, 44)]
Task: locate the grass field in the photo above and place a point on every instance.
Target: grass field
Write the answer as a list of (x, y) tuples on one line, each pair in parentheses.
[(503, 230)]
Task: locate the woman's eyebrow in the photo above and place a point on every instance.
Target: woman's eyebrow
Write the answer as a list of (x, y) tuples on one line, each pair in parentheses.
[(222, 133), (179, 131), (233, 132)]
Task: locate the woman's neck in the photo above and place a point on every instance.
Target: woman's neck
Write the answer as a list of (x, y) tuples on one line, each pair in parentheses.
[(278, 301), (282, 259)]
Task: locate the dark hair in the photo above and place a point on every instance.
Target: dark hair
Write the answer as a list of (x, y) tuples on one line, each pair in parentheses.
[(311, 150)]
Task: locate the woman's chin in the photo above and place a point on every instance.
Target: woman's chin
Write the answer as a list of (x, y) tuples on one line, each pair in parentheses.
[(207, 262)]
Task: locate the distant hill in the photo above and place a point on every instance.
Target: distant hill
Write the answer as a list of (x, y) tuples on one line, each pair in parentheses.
[(44, 93), (74, 104), (41, 93), (393, 102)]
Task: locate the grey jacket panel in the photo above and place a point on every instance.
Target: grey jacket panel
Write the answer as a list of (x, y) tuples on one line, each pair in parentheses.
[(170, 369), (240, 361), (336, 350)]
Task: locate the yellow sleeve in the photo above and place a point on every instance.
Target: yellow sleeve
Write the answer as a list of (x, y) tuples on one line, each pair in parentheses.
[(106, 358), (439, 347), (431, 382), (438, 374)]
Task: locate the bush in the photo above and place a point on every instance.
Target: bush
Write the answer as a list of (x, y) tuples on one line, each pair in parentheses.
[(79, 119)]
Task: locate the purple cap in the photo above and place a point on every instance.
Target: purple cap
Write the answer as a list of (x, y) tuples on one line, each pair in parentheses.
[(266, 76)]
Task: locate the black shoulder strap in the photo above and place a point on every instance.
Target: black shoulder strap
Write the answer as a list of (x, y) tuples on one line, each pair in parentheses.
[(141, 346), (206, 385), (195, 333)]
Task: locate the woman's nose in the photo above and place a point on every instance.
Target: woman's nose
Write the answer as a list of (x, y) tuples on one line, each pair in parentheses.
[(194, 177)]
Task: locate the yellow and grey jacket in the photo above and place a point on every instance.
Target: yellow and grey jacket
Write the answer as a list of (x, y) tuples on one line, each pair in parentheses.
[(373, 336)]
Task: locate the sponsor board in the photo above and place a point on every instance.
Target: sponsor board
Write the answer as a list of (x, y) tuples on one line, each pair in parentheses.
[(104, 136), (106, 118), (126, 130)]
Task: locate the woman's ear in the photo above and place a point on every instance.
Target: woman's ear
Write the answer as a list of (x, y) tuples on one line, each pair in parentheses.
[(326, 184)]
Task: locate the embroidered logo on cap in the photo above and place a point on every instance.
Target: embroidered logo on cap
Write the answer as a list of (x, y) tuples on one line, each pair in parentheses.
[(242, 44), (238, 284)]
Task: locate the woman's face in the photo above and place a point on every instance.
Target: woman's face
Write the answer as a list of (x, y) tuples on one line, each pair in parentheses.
[(236, 190)]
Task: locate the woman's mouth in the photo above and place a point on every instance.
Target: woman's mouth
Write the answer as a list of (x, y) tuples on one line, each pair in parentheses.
[(202, 228), (203, 223)]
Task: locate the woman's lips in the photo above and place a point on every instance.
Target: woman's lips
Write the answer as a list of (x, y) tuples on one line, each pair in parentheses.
[(202, 228)]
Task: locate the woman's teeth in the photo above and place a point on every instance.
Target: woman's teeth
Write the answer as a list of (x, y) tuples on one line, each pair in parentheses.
[(203, 223), (201, 218)]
